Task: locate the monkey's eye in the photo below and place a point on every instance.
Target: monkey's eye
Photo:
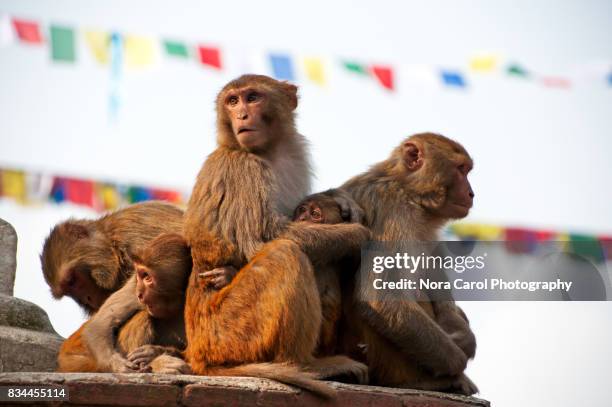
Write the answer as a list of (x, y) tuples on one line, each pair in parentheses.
[(463, 168), (253, 97), (302, 209), (232, 100), (316, 214)]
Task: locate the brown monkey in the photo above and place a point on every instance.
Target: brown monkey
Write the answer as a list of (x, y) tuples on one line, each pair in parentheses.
[(243, 196), (408, 197), (321, 208), (88, 260)]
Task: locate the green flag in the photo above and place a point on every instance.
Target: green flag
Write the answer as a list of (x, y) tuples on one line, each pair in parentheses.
[(355, 67), (516, 70), (176, 49), (62, 44)]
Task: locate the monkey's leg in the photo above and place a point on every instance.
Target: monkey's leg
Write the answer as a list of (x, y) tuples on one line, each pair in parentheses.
[(74, 356), (270, 312)]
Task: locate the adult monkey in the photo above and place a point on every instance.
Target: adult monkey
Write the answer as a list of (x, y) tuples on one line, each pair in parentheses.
[(243, 196), (408, 197), (88, 260)]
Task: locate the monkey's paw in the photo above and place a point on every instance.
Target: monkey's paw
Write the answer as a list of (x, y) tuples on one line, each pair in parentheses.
[(218, 277), (144, 355), (167, 364), (463, 385), (118, 364)]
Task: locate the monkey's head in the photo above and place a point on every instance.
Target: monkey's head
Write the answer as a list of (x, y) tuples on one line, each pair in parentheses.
[(435, 169), (162, 272), (79, 262), (318, 208), (253, 111)]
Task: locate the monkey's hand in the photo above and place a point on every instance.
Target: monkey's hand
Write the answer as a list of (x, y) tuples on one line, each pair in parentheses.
[(219, 277), (119, 364), (349, 209), (168, 364), (143, 355)]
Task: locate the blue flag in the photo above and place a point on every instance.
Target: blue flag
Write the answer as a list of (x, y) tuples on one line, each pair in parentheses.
[(452, 78), (282, 67)]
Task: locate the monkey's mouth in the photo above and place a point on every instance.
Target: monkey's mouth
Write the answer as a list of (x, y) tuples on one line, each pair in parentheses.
[(245, 130)]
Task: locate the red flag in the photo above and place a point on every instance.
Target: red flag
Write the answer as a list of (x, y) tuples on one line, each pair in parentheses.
[(166, 195), (519, 240), (80, 191), (28, 31), (556, 82), (210, 56), (384, 74)]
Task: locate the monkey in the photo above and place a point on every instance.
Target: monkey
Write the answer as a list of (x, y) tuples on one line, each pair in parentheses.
[(88, 260), (409, 197), (321, 208), (238, 210)]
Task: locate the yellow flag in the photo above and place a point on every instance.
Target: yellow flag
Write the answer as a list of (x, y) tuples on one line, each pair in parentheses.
[(315, 70), (139, 51), (14, 185), (99, 44), (109, 196), (479, 232), (483, 63)]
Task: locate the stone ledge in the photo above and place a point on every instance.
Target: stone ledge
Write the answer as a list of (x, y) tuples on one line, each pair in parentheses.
[(96, 389)]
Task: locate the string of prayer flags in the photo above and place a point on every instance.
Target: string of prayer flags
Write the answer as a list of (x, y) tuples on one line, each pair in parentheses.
[(453, 78), (99, 44), (210, 56), (27, 31), (384, 74), (483, 63), (314, 70), (27, 188), (282, 67), (62, 44), (176, 49), (139, 51)]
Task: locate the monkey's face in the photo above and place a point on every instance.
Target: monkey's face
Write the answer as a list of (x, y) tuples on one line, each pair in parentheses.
[(322, 210), (247, 108), (438, 174), (77, 283), (459, 194), (145, 288)]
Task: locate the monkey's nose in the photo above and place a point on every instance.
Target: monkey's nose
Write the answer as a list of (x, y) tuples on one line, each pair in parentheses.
[(472, 195)]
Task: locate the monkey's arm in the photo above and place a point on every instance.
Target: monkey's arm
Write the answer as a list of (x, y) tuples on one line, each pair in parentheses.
[(454, 322), (350, 210), (407, 326), (324, 243), (99, 334)]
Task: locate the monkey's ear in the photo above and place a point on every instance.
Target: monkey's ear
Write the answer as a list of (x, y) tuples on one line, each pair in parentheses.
[(412, 156), (291, 91)]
